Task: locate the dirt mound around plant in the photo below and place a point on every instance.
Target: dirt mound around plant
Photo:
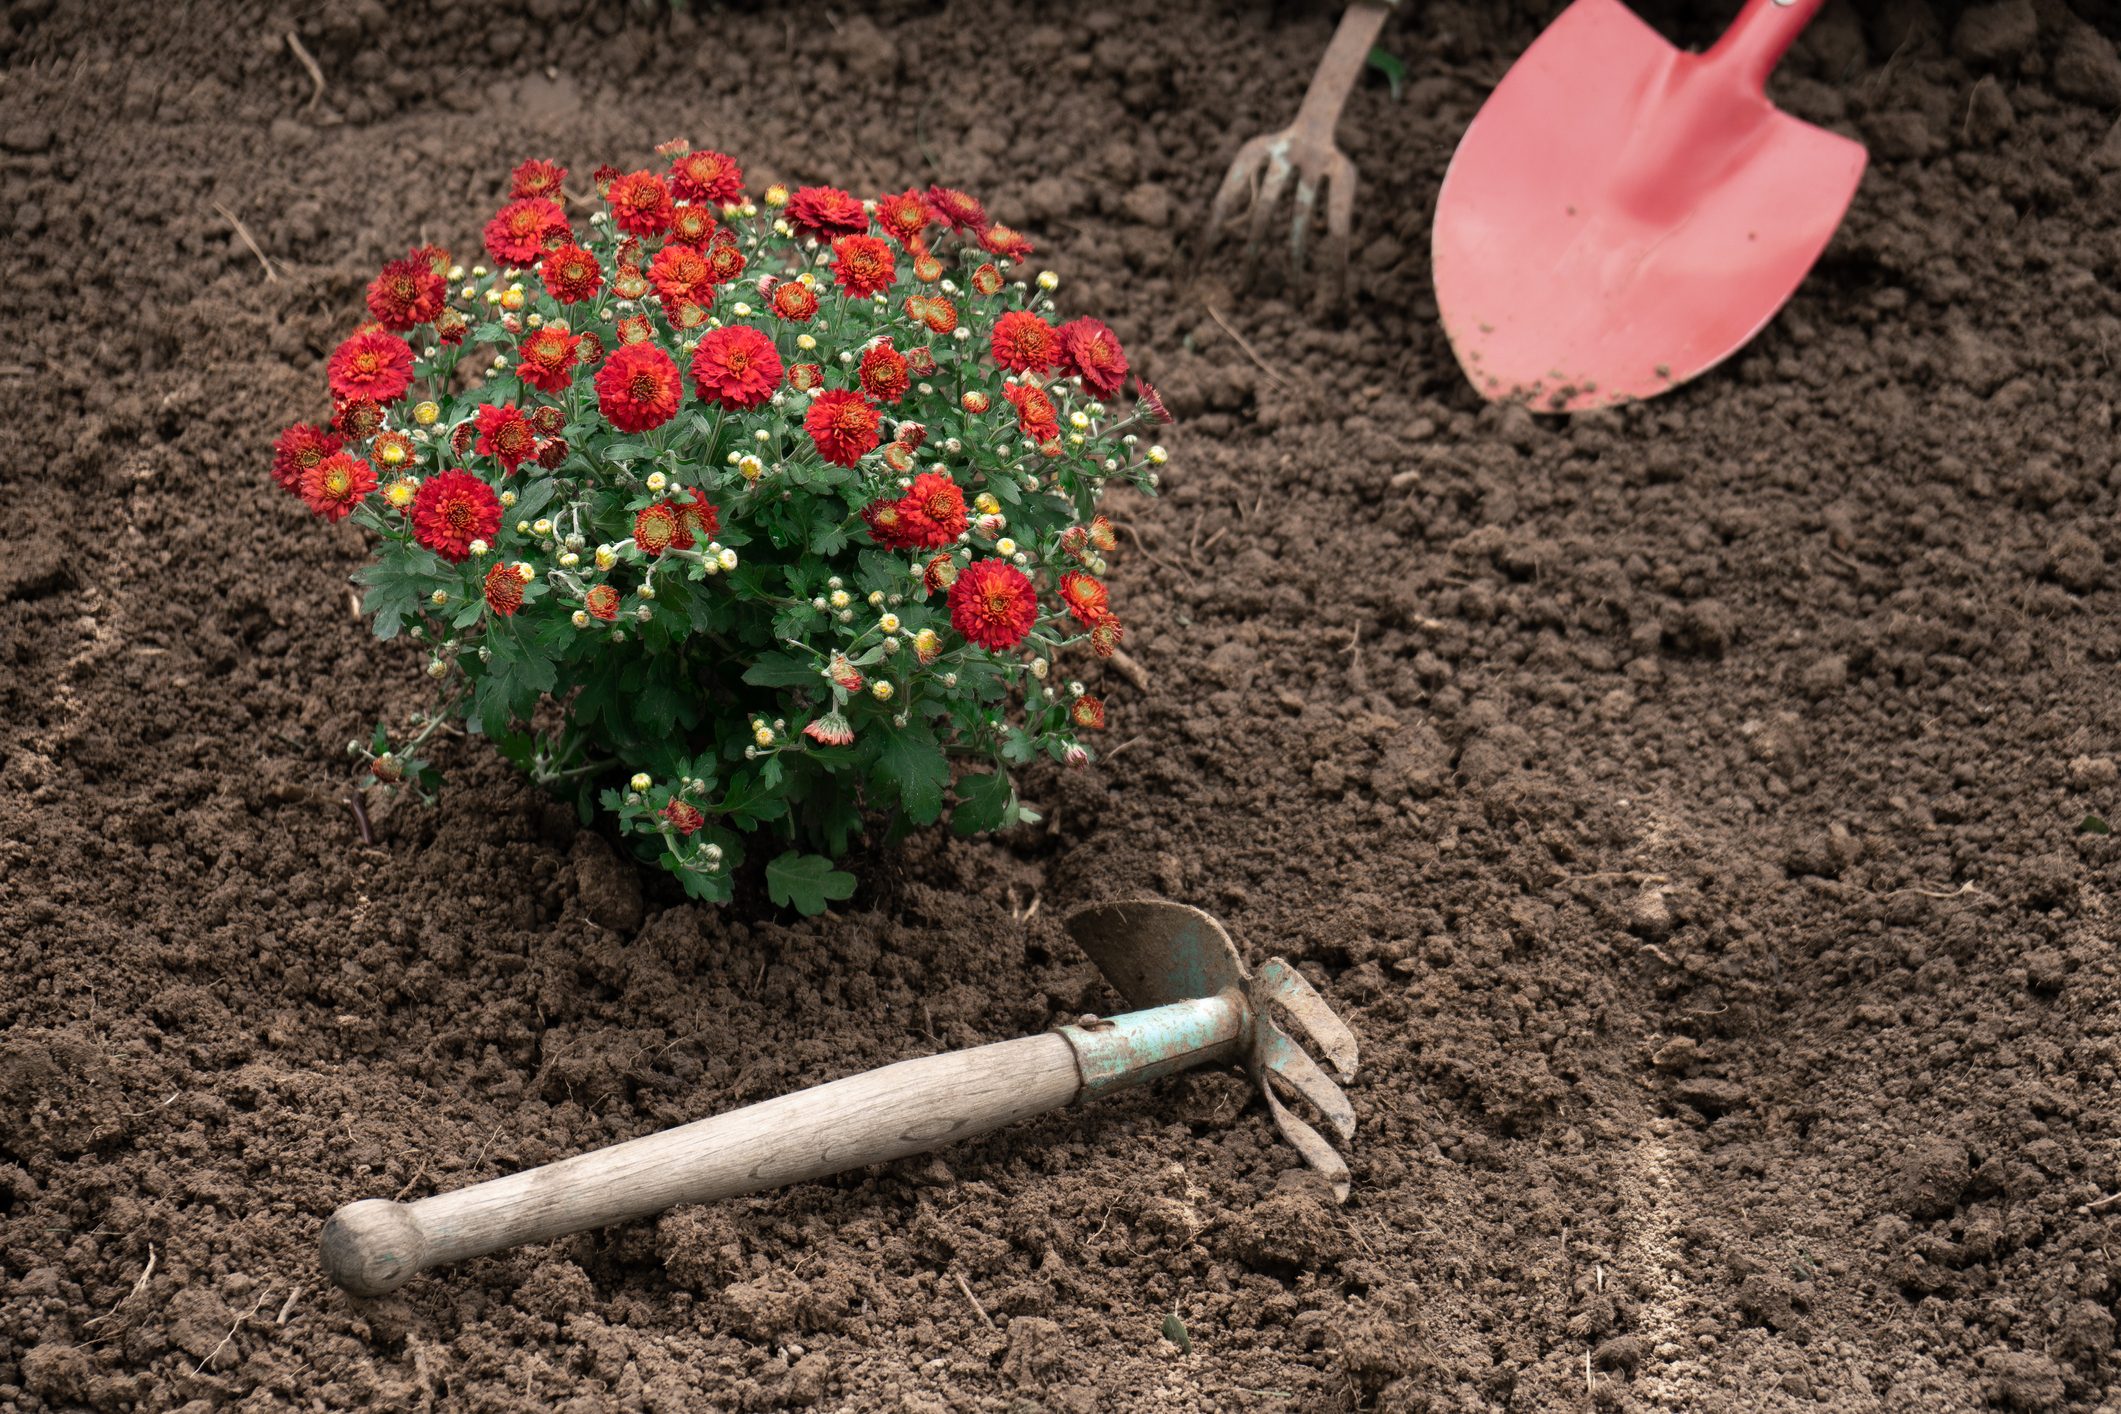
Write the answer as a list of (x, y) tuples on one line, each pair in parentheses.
[(1697, 809)]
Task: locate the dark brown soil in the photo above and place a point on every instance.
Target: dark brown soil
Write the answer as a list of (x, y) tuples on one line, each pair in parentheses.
[(1687, 805)]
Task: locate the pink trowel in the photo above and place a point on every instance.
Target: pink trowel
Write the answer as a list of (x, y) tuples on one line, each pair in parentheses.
[(1623, 215)]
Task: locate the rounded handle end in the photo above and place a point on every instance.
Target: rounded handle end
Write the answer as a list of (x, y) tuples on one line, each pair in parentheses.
[(373, 1246)]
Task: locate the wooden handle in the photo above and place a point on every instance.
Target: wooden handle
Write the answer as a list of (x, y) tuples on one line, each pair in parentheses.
[(375, 1246)]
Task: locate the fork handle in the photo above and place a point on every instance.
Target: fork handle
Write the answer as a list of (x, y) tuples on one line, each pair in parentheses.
[(375, 1245), (1360, 24)]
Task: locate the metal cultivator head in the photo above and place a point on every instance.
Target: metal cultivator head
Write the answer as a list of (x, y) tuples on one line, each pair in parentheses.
[(1155, 953)]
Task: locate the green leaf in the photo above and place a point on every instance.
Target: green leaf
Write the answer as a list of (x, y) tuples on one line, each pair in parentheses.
[(1389, 64), (806, 882), (911, 762), (2093, 825), (984, 802), (782, 670), (1175, 1332), (828, 539)]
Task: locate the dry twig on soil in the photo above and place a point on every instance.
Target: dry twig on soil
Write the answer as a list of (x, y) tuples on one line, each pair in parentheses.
[(243, 231), (316, 75)]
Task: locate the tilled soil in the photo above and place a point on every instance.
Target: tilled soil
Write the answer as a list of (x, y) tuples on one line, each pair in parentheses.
[(1697, 808)]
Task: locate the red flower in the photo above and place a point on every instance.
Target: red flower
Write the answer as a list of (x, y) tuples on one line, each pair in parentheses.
[(545, 360), (843, 425), (1024, 343), (698, 520), (639, 388), (1085, 597), (681, 275), (921, 360), (1035, 416), (987, 280), (708, 176), (537, 177), (975, 402), (824, 212), (300, 447), (736, 367), (450, 510), (683, 818), (602, 602), (961, 211), (335, 485), (832, 729), (371, 364), (692, 225), (409, 292), (504, 590), (1091, 352), (451, 326), (935, 311), (883, 373), (634, 329), (656, 529), (1153, 401), (506, 436), (357, 419), (927, 269), (725, 258), (524, 230), (894, 525), (939, 501), (903, 217), (603, 177), (862, 265), (1106, 635), (993, 604), (1101, 536), (640, 204), (795, 301), (1088, 712), (1006, 242), (939, 573), (804, 376), (912, 434), (571, 273)]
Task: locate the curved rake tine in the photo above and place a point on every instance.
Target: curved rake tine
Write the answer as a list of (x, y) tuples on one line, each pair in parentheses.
[(1340, 209), (1286, 987), (1306, 203), (1288, 1061), (1240, 179), (1279, 171), (1306, 1141)]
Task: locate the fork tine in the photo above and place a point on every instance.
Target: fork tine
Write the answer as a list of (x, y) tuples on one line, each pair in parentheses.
[(1278, 173), (1306, 203), (1286, 987), (1340, 207), (1306, 1141), (1244, 171), (1302, 1074)]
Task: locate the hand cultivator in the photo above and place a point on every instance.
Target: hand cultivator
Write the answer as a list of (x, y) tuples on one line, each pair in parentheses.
[(1198, 1006)]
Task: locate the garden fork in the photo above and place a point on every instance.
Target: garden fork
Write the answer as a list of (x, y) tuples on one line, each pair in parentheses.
[(1305, 149), (1197, 1006)]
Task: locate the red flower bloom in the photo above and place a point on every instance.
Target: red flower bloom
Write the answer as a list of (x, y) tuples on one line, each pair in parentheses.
[(832, 729), (883, 373), (571, 273), (409, 292), (975, 402), (698, 520), (371, 364), (939, 573), (640, 204), (683, 818), (824, 212), (300, 447), (545, 360), (903, 217), (634, 329), (692, 225), (451, 326), (725, 258), (1153, 401), (708, 176), (862, 265), (962, 212), (504, 590), (894, 525), (450, 510), (603, 177), (656, 529), (927, 269), (335, 485), (993, 604), (795, 301), (941, 503), (681, 275), (1106, 635), (524, 230), (1035, 416), (1024, 343), (552, 453), (639, 388), (935, 311), (1006, 242), (506, 436), (987, 280), (912, 434), (1091, 352), (921, 360), (1101, 536), (1085, 597), (537, 177), (736, 367), (1088, 712), (843, 425)]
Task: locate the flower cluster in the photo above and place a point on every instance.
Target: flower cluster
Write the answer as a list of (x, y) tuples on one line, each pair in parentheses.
[(788, 504)]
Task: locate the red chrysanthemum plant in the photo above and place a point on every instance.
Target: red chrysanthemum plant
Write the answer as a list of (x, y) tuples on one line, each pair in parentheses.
[(744, 518)]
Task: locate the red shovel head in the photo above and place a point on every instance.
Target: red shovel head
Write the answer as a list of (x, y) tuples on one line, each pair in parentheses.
[(1622, 215)]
